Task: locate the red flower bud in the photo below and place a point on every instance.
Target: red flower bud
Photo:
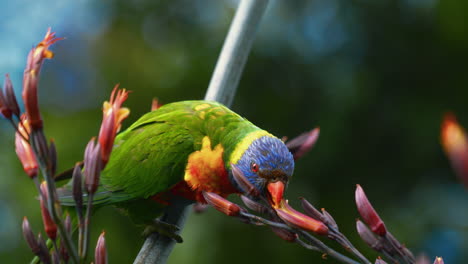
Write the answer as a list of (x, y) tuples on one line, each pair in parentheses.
[(303, 143), (455, 143), (368, 214), (30, 78), (221, 204), (92, 165), (291, 216), (49, 224), (24, 150), (100, 254), (113, 115)]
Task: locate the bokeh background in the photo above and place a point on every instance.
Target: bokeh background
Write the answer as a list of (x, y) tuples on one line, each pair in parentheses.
[(376, 76)]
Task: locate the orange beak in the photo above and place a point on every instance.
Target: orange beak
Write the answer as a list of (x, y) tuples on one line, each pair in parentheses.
[(276, 190)]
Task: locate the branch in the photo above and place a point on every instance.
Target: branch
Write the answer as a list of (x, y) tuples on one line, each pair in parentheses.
[(222, 88)]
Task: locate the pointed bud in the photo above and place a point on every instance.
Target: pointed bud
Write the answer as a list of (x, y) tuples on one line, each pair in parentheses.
[(44, 254), (329, 220), (24, 150), (368, 214), (295, 218), (113, 115), (10, 97), (311, 211), (77, 190), (243, 183), (29, 237), (49, 224), (5, 111), (455, 143), (52, 157), (366, 234), (221, 204), (303, 143), (100, 255), (254, 206), (438, 260), (155, 104), (92, 166)]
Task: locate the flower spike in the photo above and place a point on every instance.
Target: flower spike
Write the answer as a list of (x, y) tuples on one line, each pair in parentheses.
[(30, 78), (113, 115), (368, 213)]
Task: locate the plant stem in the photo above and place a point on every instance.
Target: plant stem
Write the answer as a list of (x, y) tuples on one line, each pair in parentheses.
[(235, 51), (222, 88), (316, 244), (39, 146)]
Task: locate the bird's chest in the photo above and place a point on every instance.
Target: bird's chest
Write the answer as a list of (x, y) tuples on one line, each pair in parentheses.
[(205, 171)]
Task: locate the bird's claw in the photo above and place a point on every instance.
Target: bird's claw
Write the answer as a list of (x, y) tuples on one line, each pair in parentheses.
[(163, 228)]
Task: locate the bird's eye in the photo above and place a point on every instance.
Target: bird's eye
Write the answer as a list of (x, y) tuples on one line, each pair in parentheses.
[(254, 167)]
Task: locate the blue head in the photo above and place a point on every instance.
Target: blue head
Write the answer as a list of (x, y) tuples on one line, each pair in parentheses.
[(265, 162)]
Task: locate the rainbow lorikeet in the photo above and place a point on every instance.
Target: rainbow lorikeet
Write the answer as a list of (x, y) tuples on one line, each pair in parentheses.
[(183, 149)]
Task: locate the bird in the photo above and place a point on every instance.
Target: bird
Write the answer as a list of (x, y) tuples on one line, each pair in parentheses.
[(182, 150)]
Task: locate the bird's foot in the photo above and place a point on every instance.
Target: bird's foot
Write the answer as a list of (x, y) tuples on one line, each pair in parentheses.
[(163, 228)]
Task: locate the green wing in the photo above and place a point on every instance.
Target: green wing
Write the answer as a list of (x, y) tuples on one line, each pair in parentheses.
[(151, 155)]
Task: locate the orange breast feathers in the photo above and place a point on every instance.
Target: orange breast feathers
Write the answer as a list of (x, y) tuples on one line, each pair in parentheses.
[(205, 171)]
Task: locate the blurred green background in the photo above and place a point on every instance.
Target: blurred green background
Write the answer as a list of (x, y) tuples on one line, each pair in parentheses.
[(376, 76)]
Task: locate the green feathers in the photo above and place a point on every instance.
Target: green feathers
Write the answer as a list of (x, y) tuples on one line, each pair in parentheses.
[(150, 157)]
